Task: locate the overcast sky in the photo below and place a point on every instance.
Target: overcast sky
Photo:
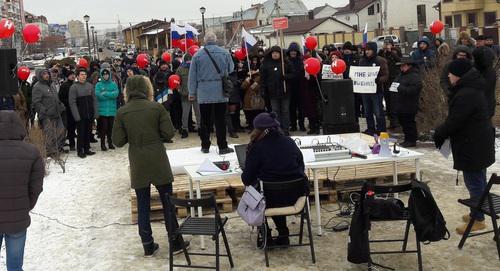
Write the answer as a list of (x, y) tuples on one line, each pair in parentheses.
[(104, 13)]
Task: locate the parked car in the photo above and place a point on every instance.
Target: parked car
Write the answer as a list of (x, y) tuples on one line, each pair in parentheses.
[(380, 40)]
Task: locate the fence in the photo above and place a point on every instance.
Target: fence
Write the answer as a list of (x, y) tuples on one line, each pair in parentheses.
[(406, 36)]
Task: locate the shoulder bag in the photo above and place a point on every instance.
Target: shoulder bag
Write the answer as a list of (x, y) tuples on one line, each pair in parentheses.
[(252, 207)]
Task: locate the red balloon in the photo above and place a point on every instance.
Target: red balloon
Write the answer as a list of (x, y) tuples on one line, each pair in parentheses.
[(338, 66), (166, 57), (193, 49), (311, 43), (174, 81), (312, 66), (7, 28), (142, 61), (240, 54), (31, 33), (436, 27), (83, 63), (23, 73)]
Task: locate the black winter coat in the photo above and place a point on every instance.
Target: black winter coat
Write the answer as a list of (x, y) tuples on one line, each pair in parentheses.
[(21, 175), (410, 85), (392, 58), (274, 158), (468, 125), (483, 61), (272, 78)]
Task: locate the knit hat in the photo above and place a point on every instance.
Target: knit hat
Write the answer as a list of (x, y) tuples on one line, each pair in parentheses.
[(347, 46), (371, 46), (480, 37), (69, 72), (459, 67), (265, 120)]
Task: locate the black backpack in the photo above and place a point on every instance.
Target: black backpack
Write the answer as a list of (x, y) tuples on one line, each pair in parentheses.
[(425, 215)]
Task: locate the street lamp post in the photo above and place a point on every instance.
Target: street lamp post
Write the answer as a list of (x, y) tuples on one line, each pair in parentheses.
[(203, 10), (86, 18), (96, 45), (93, 41)]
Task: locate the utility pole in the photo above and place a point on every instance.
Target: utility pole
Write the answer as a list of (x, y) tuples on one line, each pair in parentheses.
[(282, 42)]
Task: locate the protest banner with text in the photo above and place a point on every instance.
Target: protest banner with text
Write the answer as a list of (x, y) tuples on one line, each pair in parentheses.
[(363, 79)]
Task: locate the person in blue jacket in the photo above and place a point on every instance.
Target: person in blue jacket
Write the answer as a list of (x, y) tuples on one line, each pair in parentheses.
[(425, 55), (106, 92)]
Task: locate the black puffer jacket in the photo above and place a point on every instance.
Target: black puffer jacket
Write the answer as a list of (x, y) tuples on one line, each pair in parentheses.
[(468, 125), (408, 95), (483, 61), (21, 175), (272, 76)]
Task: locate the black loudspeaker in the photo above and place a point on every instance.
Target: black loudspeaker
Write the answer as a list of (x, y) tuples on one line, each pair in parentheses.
[(8, 74), (338, 113)]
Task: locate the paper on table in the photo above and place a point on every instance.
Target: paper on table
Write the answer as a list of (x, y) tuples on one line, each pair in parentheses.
[(445, 149), (208, 166), (308, 155)]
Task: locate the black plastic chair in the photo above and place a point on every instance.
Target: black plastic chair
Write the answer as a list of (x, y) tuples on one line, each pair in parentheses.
[(301, 207), (489, 204), (391, 189), (198, 226)]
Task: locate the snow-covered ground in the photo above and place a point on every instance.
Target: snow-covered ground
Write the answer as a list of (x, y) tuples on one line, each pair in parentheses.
[(82, 222)]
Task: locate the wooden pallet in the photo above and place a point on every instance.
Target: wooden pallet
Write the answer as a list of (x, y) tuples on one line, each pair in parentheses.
[(181, 190)]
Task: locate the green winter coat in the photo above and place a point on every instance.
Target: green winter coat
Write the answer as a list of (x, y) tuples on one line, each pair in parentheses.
[(144, 125), (183, 73)]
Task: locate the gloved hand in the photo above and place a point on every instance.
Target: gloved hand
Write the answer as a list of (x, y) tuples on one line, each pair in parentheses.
[(438, 140)]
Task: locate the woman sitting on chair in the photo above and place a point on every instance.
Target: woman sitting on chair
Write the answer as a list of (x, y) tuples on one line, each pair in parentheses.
[(273, 157)]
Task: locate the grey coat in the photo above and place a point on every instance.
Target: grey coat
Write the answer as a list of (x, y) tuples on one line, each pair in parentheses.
[(45, 100), (21, 175), (84, 92)]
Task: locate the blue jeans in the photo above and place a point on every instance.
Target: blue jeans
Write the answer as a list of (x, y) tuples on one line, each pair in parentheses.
[(281, 106), (475, 181), (372, 104), (14, 245)]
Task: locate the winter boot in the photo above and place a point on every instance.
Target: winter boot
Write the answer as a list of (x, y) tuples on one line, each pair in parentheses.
[(150, 249), (184, 133), (103, 146), (283, 237), (477, 226)]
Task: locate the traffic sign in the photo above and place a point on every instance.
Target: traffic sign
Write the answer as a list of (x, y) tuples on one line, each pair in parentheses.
[(280, 23)]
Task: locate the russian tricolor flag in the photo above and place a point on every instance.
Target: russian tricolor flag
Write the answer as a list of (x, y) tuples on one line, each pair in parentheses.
[(249, 40), (365, 34), (191, 32), (177, 31)]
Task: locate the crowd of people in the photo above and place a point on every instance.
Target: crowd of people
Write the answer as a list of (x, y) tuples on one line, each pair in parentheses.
[(78, 99)]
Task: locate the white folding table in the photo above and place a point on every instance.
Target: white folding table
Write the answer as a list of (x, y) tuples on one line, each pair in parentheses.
[(405, 155)]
